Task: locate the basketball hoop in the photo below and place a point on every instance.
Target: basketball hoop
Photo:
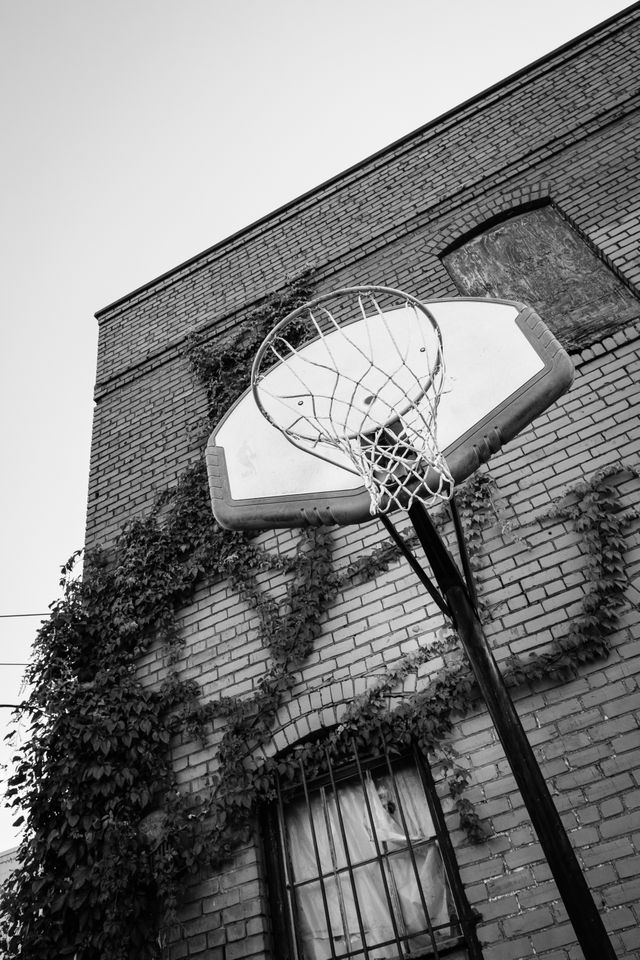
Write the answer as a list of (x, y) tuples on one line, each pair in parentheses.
[(359, 386)]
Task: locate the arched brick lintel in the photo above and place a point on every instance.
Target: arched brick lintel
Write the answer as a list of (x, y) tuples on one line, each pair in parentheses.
[(485, 213), (304, 720)]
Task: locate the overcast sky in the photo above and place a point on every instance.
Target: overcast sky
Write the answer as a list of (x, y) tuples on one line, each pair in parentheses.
[(137, 133)]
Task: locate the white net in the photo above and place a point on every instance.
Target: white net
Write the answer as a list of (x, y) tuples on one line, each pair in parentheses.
[(355, 378)]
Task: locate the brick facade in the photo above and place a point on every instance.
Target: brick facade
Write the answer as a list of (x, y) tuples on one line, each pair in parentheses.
[(561, 131)]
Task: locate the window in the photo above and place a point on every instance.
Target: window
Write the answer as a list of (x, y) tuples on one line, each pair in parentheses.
[(538, 257), (365, 867)]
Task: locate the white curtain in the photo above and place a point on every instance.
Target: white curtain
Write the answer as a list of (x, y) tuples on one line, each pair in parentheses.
[(387, 886)]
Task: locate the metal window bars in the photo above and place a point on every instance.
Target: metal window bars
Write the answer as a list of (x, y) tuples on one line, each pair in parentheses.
[(368, 867)]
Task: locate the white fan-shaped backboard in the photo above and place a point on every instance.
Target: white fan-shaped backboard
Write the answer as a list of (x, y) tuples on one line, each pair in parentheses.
[(502, 368)]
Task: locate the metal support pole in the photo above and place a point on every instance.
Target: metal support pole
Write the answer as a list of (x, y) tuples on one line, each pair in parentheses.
[(572, 886), (415, 566)]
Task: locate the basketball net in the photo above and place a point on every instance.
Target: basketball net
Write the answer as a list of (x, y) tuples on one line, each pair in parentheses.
[(363, 396)]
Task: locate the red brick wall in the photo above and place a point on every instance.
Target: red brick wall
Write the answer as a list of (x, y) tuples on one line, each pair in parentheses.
[(563, 130)]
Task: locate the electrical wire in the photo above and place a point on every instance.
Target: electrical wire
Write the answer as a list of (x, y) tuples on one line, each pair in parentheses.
[(5, 616)]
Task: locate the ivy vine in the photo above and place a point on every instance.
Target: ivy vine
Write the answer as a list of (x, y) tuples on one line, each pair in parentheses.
[(594, 509), (223, 369), (93, 881)]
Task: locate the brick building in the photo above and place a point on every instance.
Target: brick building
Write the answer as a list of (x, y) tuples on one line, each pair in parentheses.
[(528, 191)]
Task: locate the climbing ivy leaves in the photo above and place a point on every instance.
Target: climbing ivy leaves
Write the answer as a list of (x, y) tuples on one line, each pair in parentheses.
[(594, 508), (223, 369)]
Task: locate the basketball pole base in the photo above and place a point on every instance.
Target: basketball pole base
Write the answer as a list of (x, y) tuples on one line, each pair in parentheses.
[(572, 886)]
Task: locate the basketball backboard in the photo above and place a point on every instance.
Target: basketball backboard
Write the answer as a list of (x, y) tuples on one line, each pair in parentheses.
[(502, 368)]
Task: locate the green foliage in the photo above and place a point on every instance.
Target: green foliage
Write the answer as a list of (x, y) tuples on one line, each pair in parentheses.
[(370, 565), (469, 819), (476, 502), (594, 508), (224, 368), (476, 508), (95, 762)]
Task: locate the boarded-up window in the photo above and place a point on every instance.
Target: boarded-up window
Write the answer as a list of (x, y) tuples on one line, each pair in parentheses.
[(537, 257)]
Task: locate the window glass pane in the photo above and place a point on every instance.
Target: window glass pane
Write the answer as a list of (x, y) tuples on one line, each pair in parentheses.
[(365, 862)]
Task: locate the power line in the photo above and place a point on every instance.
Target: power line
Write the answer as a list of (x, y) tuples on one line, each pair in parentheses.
[(5, 616)]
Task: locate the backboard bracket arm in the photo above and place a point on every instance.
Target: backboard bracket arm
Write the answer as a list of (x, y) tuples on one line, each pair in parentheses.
[(445, 571), (464, 553), (430, 587)]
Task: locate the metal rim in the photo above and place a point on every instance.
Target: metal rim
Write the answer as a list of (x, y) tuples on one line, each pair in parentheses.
[(309, 305)]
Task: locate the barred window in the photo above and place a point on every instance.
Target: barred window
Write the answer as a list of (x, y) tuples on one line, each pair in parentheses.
[(366, 869)]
